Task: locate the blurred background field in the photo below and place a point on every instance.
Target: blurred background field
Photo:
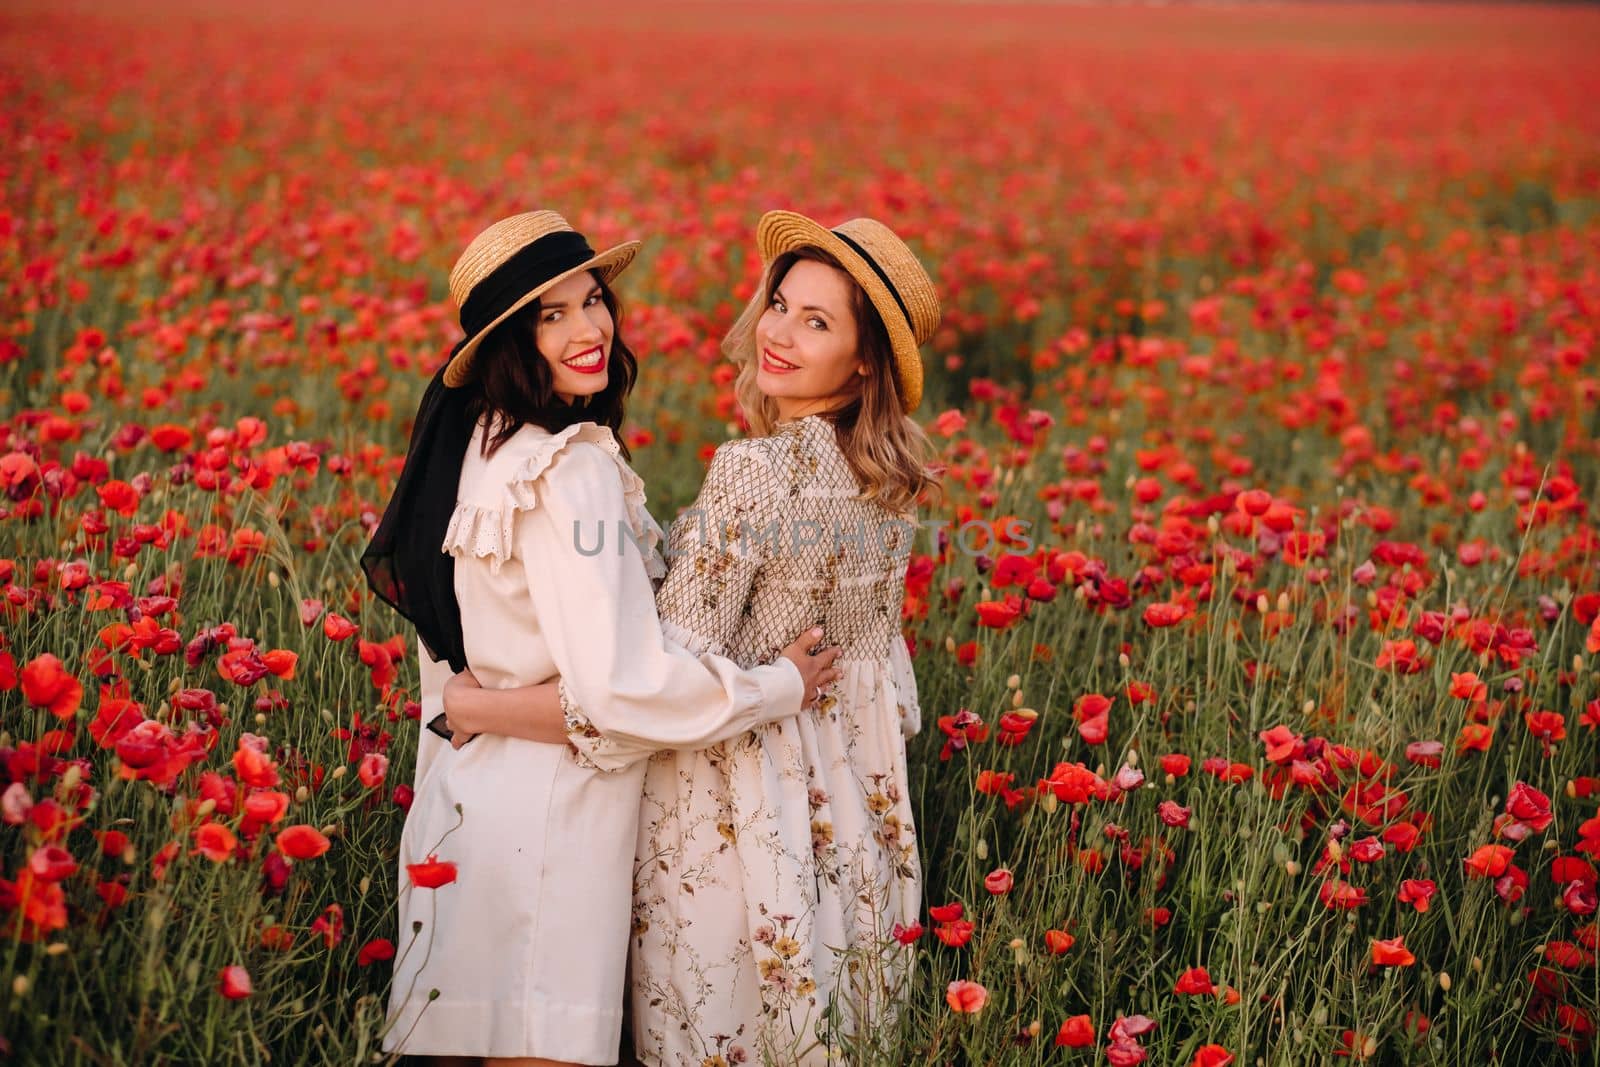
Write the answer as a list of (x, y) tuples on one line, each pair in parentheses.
[(1276, 324)]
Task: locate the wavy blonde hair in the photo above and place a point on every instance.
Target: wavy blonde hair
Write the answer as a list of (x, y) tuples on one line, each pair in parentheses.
[(890, 455)]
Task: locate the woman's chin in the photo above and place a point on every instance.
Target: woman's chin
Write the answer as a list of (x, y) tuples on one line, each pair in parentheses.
[(584, 390), (774, 386)]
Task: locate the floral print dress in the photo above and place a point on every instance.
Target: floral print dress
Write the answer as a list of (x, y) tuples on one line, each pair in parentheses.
[(772, 868)]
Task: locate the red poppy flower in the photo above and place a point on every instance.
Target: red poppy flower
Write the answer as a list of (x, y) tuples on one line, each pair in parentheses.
[(1417, 892), (1566, 954), (215, 842), (170, 438), (1489, 861), (1057, 942), (994, 783), (1173, 814), (329, 925), (373, 951), (252, 764), (301, 842), (954, 934), (234, 982), (1164, 614), (338, 628), (277, 939), (1529, 806), (266, 806), (999, 614), (965, 997), (1176, 764), (998, 881), (119, 496), (47, 684), (1341, 896), (1076, 1032), (1283, 744), (432, 873), (1195, 982), (1466, 686), (1475, 737), (1391, 953), (372, 769), (51, 863)]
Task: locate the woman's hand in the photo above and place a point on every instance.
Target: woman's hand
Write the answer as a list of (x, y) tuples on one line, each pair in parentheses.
[(815, 671), (457, 693)]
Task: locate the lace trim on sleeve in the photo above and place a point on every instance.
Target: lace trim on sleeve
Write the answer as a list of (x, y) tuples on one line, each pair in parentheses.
[(486, 532)]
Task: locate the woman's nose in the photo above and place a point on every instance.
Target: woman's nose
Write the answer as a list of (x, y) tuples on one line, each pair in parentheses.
[(778, 333), (590, 330)]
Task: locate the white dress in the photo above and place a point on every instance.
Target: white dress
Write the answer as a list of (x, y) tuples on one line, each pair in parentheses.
[(527, 947), (772, 869)]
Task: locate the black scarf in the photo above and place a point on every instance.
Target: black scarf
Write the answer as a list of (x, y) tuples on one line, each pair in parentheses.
[(405, 564)]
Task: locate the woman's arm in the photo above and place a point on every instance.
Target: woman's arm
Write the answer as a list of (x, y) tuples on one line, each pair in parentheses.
[(626, 690), (531, 712)]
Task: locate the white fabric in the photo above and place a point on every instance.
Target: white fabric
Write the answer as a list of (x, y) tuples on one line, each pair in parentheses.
[(527, 948)]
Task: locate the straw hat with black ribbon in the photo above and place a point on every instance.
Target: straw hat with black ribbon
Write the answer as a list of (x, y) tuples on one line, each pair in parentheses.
[(889, 272), (508, 266)]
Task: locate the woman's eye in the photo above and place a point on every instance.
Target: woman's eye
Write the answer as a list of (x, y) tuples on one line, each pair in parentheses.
[(777, 305), (816, 323), (592, 301), (554, 316)]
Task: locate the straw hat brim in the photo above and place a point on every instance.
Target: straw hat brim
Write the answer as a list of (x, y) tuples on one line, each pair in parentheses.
[(608, 264), (784, 231)]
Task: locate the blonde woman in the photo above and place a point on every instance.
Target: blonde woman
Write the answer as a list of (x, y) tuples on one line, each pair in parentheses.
[(772, 869)]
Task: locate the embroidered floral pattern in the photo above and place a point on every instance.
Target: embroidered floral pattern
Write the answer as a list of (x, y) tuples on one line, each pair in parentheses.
[(771, 868)]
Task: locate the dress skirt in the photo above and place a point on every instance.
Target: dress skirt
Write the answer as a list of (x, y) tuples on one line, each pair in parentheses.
[(538, 945)]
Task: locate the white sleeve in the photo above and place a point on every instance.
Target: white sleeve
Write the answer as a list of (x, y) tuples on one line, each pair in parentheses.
[(628, 691)]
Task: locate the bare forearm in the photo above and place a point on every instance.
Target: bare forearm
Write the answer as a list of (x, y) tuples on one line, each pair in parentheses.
[(532, 712)]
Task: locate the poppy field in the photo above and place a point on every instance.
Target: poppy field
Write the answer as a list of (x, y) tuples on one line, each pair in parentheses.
[(1259, 653)]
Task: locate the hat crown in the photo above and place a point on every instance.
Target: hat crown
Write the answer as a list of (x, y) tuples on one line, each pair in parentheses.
[(905, 273), (498, 243)]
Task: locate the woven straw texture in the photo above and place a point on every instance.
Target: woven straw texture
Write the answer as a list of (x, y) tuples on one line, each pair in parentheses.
[(500, 242)]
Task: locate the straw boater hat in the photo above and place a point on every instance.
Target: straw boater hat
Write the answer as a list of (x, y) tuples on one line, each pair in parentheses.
[(885, 269), (508, 266)]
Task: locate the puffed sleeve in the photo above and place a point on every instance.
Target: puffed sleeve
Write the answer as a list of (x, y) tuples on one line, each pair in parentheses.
[(717, 547), (627, 691)]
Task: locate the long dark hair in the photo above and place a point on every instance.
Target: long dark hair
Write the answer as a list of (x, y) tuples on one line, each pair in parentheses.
[(512, 384)]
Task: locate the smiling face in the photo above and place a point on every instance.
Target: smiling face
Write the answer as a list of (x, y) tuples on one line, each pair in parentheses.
[(574, 333), (807, 341)]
